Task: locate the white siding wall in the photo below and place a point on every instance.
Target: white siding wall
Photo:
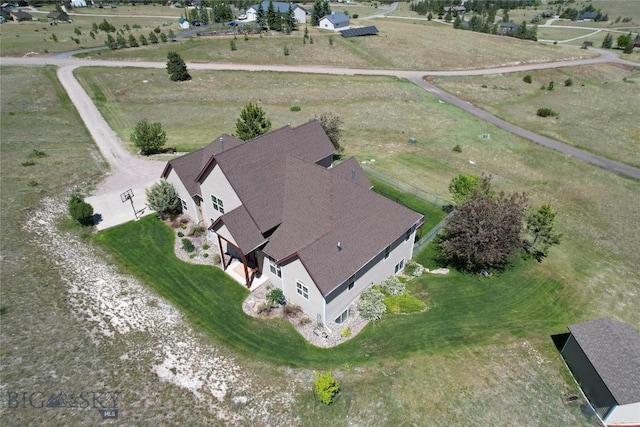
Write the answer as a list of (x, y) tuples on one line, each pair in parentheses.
[(373, 273), (192, 210), (625, 414), (217, 184), (300, 15), (295, 271)]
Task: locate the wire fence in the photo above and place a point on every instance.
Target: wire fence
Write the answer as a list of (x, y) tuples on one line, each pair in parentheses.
[(406, 188)]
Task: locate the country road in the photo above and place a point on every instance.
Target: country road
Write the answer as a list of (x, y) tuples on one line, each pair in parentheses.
[(123, 163)]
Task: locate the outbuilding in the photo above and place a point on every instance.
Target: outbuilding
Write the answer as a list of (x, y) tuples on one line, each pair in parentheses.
[(604, 357)]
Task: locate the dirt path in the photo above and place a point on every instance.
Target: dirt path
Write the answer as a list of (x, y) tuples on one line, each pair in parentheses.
[(128, 170)]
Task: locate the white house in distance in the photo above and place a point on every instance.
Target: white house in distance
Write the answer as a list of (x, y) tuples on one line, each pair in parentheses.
[(335, 22), (299, 12), (604, 357), (278, 206)]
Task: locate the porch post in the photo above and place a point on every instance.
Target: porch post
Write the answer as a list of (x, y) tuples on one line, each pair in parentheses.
[(224, 263)]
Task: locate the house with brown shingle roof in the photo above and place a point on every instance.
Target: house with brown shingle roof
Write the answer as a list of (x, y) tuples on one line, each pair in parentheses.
[(278, 205)]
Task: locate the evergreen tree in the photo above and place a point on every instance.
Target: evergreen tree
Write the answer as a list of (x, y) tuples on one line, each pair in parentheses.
[(132, 41), (143, 40), (260, 18), (176, 67), (153, 39), (252, 122), (316, 13), (121, 42), (541, 233), (163, 198)]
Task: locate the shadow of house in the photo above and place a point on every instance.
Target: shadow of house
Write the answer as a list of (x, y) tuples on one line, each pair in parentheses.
[(604, 357)]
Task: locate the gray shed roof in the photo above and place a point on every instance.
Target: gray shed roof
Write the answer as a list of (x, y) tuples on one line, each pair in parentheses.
[(337, 18), (613, 348)]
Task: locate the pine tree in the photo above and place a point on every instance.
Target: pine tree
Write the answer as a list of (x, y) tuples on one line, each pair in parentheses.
[(132, 41), (607, 43), (260, 20), (176, 67), (252, 122)]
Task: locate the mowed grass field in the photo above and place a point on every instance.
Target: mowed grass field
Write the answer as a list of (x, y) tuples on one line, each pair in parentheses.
[(402, 45), (597, 113)]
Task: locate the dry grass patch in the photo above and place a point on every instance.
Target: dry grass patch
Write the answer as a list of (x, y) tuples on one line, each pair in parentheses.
[(403, 45), (597, 112)]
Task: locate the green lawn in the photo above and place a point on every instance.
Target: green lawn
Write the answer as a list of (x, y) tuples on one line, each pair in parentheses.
[(465, 310)]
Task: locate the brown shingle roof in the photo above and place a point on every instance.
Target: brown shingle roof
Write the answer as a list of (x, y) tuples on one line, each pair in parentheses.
[(256, 169), (323, 207), (242, 228), (350, 169), (613, 348), (190, 166)]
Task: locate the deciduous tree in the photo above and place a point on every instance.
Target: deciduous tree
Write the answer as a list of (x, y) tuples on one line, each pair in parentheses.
[(252, 122), (484, 233), (148, 137), (332, 126)]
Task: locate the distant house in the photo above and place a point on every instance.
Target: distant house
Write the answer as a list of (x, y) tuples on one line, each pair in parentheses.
[(299, 12), (604, 357), (78, 3), (20, 16), (184, 24), (452, 9), (588, 16), (58, 16), (280, 211), (335, 22)]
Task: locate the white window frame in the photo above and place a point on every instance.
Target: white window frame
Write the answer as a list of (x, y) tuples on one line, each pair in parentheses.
[(217, 204), (343, 316), (399, 266), (275, 268), (183, 202), (408, 235), (302, 290), (387, 251)]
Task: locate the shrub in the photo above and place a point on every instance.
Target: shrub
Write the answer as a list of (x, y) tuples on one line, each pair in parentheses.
[(550, 85), (163, 198), (35, 153), (287, 50), (546, 112), (205, 246), (304, 321), (216, 259), (180, 234), (371, 305), (197, 231), (80, 211), (33, 183), (403, 304), (527, 79), (263, 307), (568, 82), (291, 310), (192, 256), (295, 108), (457, 148), (345, 332), (326, 387), (205, 255), (233, 45), (28, 163), (276, 296), (355, 16), (414, 269), (187, 245), (392, 286)]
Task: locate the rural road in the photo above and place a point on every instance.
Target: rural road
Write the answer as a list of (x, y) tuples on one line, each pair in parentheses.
[(128, 168)]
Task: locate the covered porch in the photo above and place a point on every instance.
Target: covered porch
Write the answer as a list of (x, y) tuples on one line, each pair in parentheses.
[(236, 270)]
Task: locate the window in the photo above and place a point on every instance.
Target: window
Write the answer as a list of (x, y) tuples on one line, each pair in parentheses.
[(343, 317), (302, 290), (386, 252), (352, 282), (217, 204), (399, 266), (406, 237), (275, 268), (183, 203)]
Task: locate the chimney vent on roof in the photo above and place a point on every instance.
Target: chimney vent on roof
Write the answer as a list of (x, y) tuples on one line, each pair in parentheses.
[(353, 174), (339, 246), (221, 144)]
